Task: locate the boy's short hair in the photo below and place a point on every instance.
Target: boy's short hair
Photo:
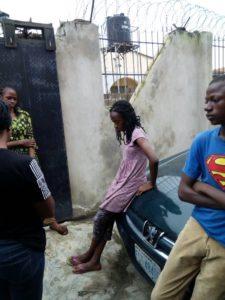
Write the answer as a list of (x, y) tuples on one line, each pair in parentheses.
[(5, 118)]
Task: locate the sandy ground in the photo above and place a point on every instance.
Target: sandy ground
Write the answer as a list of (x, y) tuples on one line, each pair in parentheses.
[(118, 279)]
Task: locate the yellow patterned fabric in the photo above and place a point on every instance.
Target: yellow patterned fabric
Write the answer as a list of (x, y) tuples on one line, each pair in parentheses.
[(22, 129)]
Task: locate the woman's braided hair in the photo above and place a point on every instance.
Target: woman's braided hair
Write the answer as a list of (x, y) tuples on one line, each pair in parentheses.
[(5, 118), (131, 120), (219, 78)]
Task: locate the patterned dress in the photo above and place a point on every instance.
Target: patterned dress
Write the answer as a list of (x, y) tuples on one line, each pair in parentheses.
[(21, 129), (130, 176)]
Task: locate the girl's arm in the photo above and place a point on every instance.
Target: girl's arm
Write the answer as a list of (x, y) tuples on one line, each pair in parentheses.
[(153, 164)]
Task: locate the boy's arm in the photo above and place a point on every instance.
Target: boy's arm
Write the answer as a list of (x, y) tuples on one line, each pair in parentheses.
[(210, 191), (45, 208), (187, 193)]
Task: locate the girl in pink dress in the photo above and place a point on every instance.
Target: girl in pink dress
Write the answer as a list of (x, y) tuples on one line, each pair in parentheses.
[(130, 180)]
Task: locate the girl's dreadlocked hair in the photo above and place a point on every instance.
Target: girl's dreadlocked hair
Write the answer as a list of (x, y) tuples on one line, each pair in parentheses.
[(131, 120), (5, 118)]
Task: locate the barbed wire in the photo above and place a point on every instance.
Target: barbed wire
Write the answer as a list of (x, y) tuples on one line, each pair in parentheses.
[(153, 15)]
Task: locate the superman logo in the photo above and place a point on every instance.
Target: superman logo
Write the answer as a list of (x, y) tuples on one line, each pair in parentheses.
[(216, 167)]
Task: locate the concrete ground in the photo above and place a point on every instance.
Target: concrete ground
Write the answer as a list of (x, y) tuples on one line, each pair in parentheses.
[(118, 279)]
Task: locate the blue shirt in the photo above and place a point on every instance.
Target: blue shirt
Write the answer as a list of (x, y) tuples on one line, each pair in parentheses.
[(206, 161)]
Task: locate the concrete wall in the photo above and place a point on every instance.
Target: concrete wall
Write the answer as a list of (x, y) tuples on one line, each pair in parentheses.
[(90, 146), (170, 103), (171, 100)]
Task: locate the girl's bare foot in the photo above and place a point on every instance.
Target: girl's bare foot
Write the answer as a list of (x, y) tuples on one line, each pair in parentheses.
[(79, 259), (86, 267)]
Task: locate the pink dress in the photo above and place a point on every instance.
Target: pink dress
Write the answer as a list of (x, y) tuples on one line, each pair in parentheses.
[(130, 175)]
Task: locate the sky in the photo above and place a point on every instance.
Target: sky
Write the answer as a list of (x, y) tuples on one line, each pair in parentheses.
[(51, 11)]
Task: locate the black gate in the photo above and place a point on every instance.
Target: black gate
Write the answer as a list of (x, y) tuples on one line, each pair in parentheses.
[(27, 62)]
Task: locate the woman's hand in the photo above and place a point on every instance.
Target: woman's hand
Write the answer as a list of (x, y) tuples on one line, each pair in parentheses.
[(27, 143), (144, 187), (32, 152)]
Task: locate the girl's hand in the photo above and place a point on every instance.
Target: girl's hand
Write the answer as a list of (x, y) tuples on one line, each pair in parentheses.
[(28, 143), (144, 187)]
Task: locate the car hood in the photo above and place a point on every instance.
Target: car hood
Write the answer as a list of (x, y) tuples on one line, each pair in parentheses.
[(162, 206)]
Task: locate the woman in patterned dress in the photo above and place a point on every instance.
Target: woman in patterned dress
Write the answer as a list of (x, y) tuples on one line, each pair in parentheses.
[(130, 180), (22, 139)]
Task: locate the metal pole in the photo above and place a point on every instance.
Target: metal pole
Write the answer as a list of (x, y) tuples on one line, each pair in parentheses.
[(92, 8)]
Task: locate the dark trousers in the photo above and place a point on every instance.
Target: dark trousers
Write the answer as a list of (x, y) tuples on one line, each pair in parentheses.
[(103, 224), (21, 272)]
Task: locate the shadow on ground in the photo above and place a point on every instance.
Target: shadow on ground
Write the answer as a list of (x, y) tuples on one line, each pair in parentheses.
[(118, 279)]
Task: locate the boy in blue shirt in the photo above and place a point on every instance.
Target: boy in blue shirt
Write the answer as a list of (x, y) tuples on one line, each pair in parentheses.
[(199, 251)]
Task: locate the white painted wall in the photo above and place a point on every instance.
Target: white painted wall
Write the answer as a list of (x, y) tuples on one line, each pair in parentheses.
[(171, 100), (90, 143), (170, 103)]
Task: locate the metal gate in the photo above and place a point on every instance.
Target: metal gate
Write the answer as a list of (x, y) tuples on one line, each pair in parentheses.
[(27, 62)]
